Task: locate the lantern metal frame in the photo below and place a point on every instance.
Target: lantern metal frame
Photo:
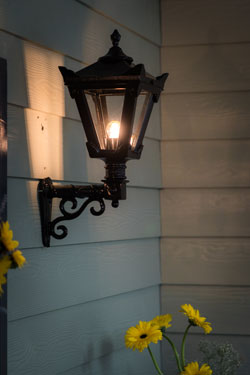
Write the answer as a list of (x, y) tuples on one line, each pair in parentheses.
[(113, 74)]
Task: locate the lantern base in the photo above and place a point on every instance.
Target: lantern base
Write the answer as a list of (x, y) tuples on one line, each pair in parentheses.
[(115, 171)]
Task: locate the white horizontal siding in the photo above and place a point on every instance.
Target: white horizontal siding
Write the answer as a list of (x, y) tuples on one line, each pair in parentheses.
[(207, 68), (205, 250), (206, 115), (204, 22), (206, 163), (220, 305), (206, 212), (206, 261)]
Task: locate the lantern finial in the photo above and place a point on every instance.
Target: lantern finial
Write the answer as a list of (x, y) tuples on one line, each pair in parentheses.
[(115, 37), (115, 54)]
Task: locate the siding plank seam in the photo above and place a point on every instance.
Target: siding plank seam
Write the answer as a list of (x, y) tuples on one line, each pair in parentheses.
[(204, 44), (86, 302)]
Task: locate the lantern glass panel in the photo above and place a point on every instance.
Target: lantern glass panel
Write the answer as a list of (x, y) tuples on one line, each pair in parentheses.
[(106, 111), (140, 113)]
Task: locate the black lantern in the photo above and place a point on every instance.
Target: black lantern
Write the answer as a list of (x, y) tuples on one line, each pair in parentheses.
[(114, 98)]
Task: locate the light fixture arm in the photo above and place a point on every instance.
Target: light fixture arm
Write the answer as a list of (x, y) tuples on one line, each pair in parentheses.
[(47, 191)]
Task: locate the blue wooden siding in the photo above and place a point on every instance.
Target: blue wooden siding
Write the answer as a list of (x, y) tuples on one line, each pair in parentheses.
[(70, 306)]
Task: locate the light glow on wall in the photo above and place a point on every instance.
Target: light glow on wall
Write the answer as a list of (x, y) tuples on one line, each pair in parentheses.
[(45, 144), (44, 85), (43, 122)]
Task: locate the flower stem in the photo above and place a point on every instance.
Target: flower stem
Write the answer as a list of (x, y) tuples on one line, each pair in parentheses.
[(183, 346), (154, 362), (175, 352)]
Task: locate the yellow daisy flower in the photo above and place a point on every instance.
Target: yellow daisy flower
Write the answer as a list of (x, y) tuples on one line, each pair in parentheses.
[(162, 321), (140, 336), (18, 258), (6, 236), (195, 318), (5, 264), (193, 369)]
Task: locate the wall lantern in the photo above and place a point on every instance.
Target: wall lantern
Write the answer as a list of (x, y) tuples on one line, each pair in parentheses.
[(115, 99)]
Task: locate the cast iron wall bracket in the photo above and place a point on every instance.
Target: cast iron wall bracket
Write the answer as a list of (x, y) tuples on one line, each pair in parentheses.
[(113, 190)]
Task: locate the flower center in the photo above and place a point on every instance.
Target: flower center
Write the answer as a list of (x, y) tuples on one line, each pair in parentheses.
[(192, 322), (143, 336)]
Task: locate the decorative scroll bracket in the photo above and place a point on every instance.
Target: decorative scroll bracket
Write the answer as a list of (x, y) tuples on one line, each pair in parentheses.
[(68, 193)]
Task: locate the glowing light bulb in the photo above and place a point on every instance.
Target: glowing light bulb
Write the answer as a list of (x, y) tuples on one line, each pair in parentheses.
[(113, 129)]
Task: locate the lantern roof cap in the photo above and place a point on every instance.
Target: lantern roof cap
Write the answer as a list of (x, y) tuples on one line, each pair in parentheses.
[(114, 68), (114, 63)]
